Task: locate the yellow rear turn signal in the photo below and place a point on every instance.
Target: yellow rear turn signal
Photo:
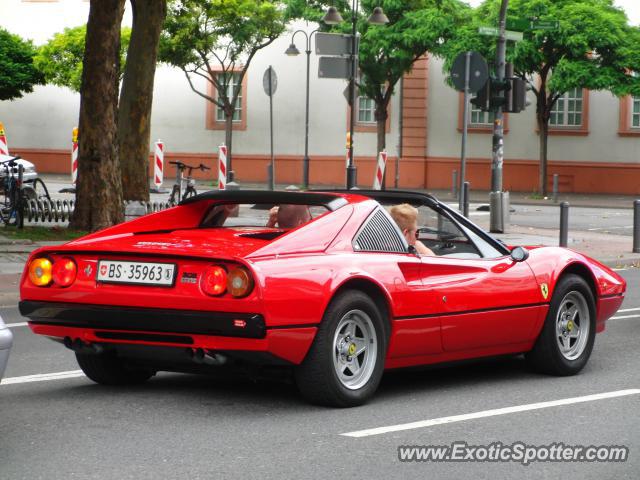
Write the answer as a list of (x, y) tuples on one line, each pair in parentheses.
[(40, 272), (239, 282)]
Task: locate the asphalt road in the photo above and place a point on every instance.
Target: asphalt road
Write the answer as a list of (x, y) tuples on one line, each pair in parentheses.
[(187, 426)]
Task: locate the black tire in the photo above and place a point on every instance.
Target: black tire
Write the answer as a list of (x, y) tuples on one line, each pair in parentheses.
[(546, 355), (316, 376), (107, 369)]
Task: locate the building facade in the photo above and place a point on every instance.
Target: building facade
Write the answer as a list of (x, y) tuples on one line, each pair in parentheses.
[(594, 144)]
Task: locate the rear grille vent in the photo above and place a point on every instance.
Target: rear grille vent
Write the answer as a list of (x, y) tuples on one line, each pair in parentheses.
[(379, 235), (145, 337)]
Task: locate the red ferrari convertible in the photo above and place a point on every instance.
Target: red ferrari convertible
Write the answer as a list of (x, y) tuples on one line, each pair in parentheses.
[(337, 296)]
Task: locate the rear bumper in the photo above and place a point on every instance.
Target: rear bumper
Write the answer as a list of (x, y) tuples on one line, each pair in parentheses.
[(6, 340), (213, 331)]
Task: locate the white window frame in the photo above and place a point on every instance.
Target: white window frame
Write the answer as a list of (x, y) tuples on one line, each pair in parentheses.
[(366, 106), (570, 105), (237, 114)]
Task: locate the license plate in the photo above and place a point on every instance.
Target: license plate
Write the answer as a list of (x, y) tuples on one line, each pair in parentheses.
[(136, 273)]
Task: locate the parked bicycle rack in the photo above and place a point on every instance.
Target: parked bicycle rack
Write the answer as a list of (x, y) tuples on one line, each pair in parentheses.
[(44, 210)]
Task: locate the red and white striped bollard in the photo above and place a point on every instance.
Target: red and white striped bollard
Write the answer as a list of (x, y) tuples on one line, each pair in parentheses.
[(382, 165), (4, 148), (222, 167), (158, 165), (74, 156)]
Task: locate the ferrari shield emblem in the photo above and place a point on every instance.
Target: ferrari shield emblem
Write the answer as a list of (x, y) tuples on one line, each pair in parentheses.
[(545, 290)]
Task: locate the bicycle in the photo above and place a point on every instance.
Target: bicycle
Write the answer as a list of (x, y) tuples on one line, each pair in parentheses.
[(190, 190), (17, 192)]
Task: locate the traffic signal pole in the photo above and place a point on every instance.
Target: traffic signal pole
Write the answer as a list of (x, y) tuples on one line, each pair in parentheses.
[(499, 200)]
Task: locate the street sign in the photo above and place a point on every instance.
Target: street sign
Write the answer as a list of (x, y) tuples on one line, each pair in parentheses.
[(545, 25), (518, 24), (509, 34), (334, 67), (333, 44), (270, 81), (478, 72)]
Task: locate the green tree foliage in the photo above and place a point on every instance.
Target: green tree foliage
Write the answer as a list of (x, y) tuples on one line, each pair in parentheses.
[(17, 72), (594, 47), (60, 59), (388, 52), (215, 40)]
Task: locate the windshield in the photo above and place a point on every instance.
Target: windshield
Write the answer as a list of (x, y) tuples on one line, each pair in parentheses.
[(281, 217)]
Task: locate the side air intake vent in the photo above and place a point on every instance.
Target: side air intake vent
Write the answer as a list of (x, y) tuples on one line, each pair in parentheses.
[(379, 235)]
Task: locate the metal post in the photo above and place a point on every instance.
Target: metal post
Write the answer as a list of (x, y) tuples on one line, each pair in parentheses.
[(401, 128), (497, 224), (272, 173), (555, 188), (351, 168), (305, 160), (465, 196), (465, 123), (564, 224), (636, 226), (454, 184)]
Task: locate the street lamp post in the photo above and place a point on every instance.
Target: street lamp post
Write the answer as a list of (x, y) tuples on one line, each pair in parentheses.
[(293, 51), (333, 17)]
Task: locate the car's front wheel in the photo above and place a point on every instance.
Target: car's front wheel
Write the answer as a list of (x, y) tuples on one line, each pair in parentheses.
[(345, 363), (108, 369), (567, 337)]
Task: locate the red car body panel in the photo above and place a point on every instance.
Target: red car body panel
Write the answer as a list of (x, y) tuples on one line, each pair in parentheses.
[(439, 309)]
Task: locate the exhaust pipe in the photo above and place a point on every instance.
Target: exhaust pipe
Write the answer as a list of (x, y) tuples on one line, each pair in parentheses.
[(200, 356), (79, 346)]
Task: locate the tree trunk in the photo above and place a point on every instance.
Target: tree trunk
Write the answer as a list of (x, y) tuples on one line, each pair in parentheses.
[(543, 126), (228, 139), (136, 97), (99, 186)]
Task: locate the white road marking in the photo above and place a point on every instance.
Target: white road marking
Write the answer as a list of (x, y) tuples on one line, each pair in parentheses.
[(620, 317), (490, 413), (628, 310), (13, 325), (42, 377)]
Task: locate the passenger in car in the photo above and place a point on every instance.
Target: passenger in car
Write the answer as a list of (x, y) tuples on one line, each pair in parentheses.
[(406, 216), (288, 216)]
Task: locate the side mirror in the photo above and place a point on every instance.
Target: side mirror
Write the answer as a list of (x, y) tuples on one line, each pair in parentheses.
[(519, 254)]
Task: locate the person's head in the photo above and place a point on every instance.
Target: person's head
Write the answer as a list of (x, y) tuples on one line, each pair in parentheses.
[(292, 216), (406, 217)]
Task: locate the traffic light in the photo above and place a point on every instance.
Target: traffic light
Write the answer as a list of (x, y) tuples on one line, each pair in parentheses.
[(517, 96), (481, 100)]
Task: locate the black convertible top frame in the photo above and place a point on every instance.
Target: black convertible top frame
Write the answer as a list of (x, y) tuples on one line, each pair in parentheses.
[(413, 198), (327, 200)]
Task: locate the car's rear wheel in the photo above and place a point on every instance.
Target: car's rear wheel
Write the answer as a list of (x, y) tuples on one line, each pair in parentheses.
[(108, 369), (345, 363), (567, 337)]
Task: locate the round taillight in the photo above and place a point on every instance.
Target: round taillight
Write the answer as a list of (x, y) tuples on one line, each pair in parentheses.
[(214, 280), (239, 282), (64, 272), (40, 272)]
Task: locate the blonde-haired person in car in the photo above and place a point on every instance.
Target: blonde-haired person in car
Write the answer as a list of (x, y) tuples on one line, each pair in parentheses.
[(406, 216)]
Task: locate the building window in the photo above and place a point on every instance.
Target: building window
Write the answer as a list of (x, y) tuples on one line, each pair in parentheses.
[(629, 117), (215, 119), (567, 112), (635, 112), (570, 114), (366, 110), (477, 120), (478, 117), (366, 115), (231, 86)]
